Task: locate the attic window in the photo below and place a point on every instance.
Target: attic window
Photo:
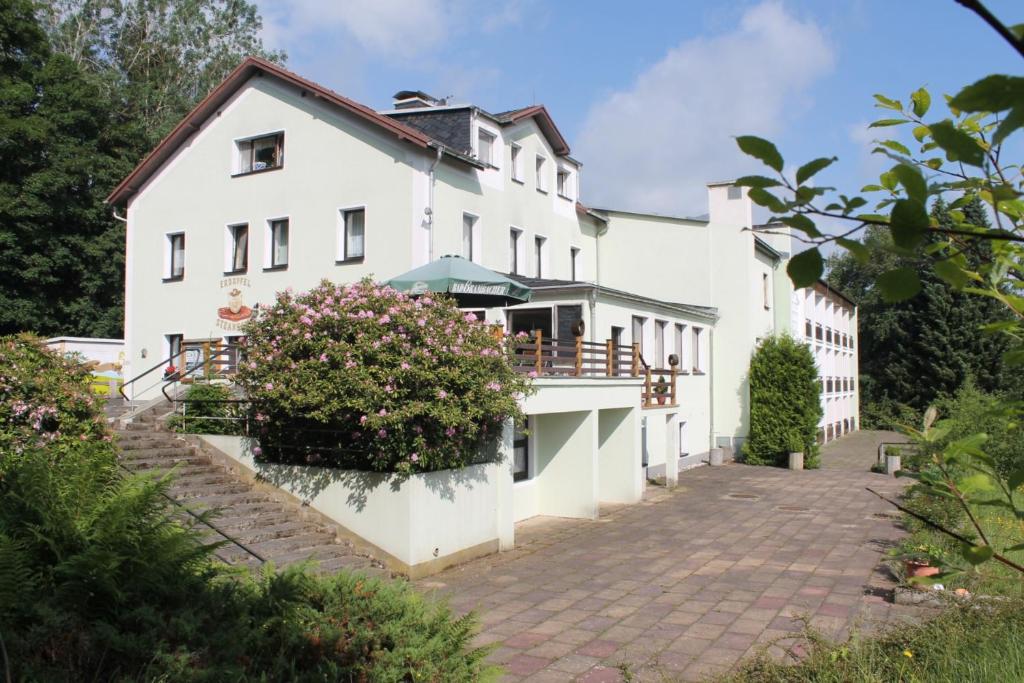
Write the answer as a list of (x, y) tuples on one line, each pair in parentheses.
[(485, 147), (735, 192), (260, 154)]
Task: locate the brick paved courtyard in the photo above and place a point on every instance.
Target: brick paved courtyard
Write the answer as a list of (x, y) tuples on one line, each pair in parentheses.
[(690, 581)]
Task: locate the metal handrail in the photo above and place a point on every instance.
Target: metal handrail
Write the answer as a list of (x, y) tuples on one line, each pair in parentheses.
[(201, 520), (178, 376), (135, 379)]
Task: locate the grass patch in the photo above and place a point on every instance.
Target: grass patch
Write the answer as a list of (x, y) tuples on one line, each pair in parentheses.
[(963, 643)]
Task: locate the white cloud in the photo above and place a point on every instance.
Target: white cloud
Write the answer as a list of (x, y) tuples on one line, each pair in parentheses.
[(400, 29), (653, 146)]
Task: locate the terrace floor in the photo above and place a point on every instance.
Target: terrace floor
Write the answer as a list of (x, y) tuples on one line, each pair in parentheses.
[(691, 580)]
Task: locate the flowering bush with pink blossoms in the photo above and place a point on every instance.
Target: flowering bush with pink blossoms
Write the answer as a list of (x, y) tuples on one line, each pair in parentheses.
[(364, 377), (44, 401)]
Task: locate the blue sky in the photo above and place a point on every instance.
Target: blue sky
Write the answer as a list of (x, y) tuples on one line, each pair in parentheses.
[(649, 94)]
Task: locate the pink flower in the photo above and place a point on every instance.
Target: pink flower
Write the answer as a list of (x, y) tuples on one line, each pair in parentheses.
[(494, 386), (413, 457), (257, 451), (405, 366), (362, 420), (383, 412), (323, 357), (450, 431), (269, 386), (385, 319), (422, 322), (382, 433), (531, 373), (441, 393)]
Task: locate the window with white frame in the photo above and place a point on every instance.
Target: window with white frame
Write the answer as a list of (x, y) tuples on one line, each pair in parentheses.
[(517, 163), (766, 290), (237, 256), (485, 146), (638, 331), (353, 234), (521, 453), (173, 347), (260, 153), (540, 255), (684, 440), (469, 246), (680, 347), (696, 356), (175, 263), (563, 183), (277, 243), (574, 264), (659, 343), (514, 240), (541, 172)]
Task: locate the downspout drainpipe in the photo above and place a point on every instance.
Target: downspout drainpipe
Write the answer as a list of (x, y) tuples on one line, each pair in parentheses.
[(597, 279), (592, 300), (430, 205), (711, 387)]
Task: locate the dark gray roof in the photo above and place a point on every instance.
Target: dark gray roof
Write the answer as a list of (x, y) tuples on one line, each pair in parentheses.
[(548, 283), (450, 127)]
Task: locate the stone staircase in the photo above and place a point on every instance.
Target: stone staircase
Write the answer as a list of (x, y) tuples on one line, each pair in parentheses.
[(271, 528)]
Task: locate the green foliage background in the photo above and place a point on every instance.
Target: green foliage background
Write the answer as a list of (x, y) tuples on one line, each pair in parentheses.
[(87, 87), (785, 403), (936, 334)]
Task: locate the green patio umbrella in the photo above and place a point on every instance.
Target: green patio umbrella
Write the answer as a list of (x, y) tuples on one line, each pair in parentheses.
[(470, 284)]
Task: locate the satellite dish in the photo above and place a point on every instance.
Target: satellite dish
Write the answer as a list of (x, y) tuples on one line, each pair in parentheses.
[(578, 328)]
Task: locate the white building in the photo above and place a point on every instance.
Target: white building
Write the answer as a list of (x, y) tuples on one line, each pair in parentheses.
[(827, 322), (273, 181)]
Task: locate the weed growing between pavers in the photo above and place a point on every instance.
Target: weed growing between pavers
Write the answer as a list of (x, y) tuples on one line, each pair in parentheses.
[(962, 643)]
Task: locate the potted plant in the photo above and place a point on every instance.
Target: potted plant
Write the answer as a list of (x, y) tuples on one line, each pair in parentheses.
[(918, 561), (170, 373), (661, 390), (796, 449)]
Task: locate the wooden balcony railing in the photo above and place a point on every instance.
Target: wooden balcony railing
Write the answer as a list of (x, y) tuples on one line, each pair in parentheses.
[(542, 357)]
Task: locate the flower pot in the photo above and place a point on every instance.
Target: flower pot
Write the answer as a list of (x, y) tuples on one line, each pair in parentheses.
[(661, 399), (715, 457), (892, 465), (796, 461), (915, 568)]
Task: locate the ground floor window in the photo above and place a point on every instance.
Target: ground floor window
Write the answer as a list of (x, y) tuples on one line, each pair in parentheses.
[(521, 454)]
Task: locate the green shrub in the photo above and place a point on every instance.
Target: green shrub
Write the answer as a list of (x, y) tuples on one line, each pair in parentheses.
[(44, 401), (99, 582), (785, 403), (206, 412), (364, 377), (972, 411)]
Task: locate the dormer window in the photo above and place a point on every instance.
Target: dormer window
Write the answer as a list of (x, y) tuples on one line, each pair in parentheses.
[(485, 147), (260, 154), (563, 183)]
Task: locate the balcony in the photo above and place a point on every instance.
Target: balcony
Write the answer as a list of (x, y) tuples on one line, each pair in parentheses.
[(540, 357)]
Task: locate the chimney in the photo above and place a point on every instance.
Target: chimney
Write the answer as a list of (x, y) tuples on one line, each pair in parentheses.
[(416, 99), (728, 204)]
